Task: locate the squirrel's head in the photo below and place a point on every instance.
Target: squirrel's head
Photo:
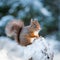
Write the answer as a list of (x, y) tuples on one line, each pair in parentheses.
[(35, 25)]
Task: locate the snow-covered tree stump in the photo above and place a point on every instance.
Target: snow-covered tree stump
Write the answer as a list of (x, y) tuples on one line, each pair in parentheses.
[(38, 50)]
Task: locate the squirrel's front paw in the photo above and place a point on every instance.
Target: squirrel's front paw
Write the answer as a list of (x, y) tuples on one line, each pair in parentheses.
[(37, 36)]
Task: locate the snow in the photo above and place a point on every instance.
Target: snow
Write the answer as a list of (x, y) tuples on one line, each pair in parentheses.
[(35, 5), (57, 56), (5, 19), (21, 14), (3, 55), (45, 12), (38, 50)]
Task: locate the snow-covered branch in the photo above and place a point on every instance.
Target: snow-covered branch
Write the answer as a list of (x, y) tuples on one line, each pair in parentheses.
[(38, 50)]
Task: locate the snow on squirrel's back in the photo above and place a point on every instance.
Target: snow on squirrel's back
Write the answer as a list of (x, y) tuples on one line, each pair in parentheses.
[(38, 50)]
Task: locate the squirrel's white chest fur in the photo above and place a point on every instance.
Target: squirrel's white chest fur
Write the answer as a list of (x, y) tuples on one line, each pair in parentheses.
[(35, 33)]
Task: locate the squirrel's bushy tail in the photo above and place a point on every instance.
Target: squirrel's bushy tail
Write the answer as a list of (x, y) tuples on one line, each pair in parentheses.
[(13, 29)]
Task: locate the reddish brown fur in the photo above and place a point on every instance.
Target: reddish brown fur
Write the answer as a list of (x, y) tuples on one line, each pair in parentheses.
[(28, 33), (22, 34)]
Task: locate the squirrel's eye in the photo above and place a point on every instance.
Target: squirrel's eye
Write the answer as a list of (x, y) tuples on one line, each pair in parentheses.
[(34, 26)]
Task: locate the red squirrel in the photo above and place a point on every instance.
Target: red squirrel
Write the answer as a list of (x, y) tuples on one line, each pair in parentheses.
[(24, 35)]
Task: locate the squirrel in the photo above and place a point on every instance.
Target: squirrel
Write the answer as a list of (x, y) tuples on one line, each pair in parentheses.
[(24, 35)]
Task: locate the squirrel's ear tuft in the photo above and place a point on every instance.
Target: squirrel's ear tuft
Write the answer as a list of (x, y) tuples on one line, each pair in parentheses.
[(31, 20), (36, 19)]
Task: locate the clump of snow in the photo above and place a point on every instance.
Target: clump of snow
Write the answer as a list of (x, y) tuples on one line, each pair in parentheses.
[(45, 12), (3, 55), (5, 19), (38, 50), (27, 5)]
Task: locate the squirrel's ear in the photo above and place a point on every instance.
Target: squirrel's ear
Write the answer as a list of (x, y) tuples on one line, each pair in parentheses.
[(31, 20), (36, 19)]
